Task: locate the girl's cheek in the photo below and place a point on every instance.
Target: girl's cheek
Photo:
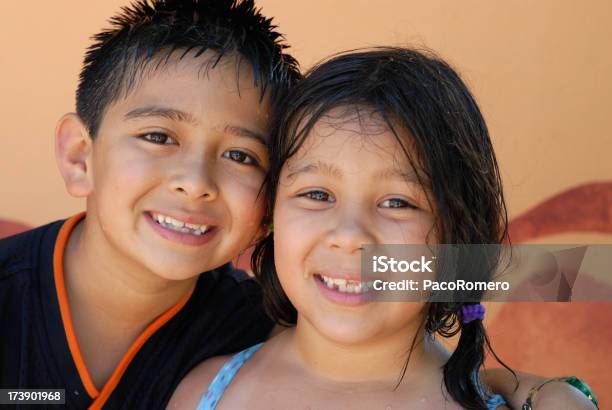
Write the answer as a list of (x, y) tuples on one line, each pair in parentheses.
[(293, 223), (411, 230)]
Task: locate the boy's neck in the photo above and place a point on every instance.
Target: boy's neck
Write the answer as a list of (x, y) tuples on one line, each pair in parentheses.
[(380, 359), (111, 299), (98, 276)]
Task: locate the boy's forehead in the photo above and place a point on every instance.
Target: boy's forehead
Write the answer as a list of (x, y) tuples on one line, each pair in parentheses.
[(201, 87), (228, 74)]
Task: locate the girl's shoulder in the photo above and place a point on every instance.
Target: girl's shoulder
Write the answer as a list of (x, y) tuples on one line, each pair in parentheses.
[(207, 382), (190, 390)]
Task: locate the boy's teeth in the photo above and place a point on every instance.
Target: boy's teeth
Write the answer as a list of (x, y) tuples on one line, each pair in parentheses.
[(180, 226), (174, 222)]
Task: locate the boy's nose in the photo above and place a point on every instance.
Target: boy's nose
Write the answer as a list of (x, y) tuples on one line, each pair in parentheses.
[(349, 233), (195, 180)]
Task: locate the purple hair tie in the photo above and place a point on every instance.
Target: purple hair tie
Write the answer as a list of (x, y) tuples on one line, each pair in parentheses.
[(470, 313)]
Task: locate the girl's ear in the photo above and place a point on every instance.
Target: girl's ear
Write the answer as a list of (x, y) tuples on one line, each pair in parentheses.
[(73, 152)]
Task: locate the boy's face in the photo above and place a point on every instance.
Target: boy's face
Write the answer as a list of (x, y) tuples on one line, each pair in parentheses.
[(177, 167)]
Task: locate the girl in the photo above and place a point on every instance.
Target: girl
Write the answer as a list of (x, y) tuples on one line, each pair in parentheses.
[(374, 147)]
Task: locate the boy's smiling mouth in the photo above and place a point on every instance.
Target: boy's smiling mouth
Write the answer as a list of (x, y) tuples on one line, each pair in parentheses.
[(169, 222), (189, 230)]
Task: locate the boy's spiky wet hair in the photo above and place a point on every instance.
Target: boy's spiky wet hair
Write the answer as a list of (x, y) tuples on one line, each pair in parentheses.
[(152, 30)]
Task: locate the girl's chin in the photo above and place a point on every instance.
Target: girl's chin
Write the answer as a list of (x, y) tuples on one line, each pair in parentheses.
[(342, 330)]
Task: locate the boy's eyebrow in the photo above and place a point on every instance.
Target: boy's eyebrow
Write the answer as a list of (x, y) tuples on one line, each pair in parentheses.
[(157, 111), (246, 133), (182, 116)]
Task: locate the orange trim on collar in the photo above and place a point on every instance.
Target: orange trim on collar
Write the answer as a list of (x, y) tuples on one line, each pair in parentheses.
[(99, 397), (113, 381), (62, 297)]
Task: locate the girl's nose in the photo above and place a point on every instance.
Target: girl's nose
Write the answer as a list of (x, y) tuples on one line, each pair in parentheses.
[(350, 231)]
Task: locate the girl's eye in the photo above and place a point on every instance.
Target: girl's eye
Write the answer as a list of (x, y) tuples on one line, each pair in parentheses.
[(159, 138), (239, 156), (396, 203), (318, 196)]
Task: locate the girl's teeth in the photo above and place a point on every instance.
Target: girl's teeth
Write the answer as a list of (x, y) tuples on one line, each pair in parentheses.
[(343, 285)]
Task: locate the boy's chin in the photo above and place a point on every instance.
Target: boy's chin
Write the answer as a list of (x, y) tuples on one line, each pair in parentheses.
[(177, 271)]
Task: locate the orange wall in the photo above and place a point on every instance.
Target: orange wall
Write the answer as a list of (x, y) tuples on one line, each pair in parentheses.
[(540, 71)]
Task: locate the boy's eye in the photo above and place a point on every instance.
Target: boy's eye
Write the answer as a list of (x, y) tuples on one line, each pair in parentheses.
[(318, 196), (159, 138), (396, 203), (239, 156)]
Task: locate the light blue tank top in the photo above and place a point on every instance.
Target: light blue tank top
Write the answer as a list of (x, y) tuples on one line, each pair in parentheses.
[(229, 370)]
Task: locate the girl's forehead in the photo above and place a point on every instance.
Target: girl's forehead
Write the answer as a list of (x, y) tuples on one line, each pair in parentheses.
[(356, 132), (347, 149)]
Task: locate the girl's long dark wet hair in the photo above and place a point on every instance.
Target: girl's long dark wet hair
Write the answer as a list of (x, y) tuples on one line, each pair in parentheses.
[(417, 92)]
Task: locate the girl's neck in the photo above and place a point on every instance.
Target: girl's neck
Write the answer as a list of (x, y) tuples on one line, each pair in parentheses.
[(380, 360)]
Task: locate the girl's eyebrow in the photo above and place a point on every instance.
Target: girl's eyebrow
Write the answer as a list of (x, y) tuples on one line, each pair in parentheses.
[(319, 167), (409, 175), (332, 171)]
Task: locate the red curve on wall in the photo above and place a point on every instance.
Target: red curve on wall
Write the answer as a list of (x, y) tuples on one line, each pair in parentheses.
[(8, 228), (585, 208), (560, 338)]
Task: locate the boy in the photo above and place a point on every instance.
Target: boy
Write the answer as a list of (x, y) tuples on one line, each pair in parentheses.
[(168, 145)]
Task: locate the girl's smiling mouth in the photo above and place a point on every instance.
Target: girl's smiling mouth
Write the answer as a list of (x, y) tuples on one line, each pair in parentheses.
[(342, 291)]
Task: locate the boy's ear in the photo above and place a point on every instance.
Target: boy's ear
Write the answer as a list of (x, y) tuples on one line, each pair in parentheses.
[(73, 151), (264, 230)]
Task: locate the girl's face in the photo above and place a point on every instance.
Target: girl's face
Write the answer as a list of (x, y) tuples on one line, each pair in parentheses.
[(350, 184)]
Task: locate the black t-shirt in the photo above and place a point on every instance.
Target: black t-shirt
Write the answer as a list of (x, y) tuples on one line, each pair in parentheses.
[(222, 315)]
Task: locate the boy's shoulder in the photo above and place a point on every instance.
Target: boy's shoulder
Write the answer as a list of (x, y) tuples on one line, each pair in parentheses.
[(223, 316), (26, 251), (227, 290), (233, 277)]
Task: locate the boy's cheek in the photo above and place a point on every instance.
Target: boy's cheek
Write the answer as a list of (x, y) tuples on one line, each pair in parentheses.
[(241, 192), (116, 169)]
